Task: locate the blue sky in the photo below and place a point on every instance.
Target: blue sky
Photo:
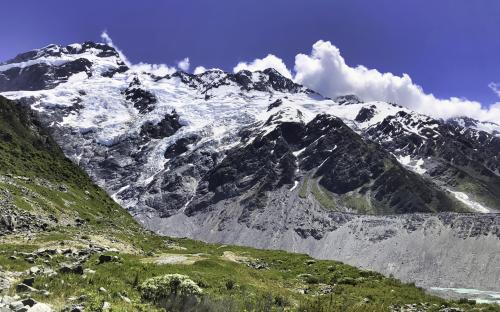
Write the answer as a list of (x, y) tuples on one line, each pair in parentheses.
[(449, 47)]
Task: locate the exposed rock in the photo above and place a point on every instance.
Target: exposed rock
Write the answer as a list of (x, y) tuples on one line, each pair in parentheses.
[(126, 299), (28, 281), (74, 268), (348, 99), (275, 104), (142, 99), (165, 128), (238, 178), (29, 302), (41, 76), (105, 258), (40, 307), (20, 288)]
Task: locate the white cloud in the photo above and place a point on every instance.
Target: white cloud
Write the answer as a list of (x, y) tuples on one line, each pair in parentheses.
[(107, 40), (270, 61), (495, 87), (326, 71), (184, 64), (155, 69), (199, 70)]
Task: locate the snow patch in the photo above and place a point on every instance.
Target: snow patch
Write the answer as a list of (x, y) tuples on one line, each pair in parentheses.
[(295, 184), (297, 153), (415, 165), (115, 195), (464, 198)]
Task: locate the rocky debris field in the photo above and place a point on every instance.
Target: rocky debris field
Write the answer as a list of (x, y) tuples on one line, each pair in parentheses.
[(423, 307), (86, 271), (69, 261)]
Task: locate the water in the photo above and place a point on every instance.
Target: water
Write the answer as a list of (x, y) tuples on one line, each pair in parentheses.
[(480, 296)]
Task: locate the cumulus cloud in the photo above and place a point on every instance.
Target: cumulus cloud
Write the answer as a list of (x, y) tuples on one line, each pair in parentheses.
[(270, 61), (184, 64), (155, 69), (326, 71), (199, 70)]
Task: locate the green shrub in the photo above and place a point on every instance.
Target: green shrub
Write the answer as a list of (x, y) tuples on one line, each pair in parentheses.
[(230, 284), (347, 281), (159, 288), (308, 278)]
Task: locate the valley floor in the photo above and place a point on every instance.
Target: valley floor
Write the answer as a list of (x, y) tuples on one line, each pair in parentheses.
[(80, 268)]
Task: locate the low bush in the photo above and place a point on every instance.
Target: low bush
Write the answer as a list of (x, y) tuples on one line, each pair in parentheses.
[(159, 288)]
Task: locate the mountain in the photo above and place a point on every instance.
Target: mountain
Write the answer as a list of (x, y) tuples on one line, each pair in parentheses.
[(461, 160), (254, 158), (467, 122), (67, 246)]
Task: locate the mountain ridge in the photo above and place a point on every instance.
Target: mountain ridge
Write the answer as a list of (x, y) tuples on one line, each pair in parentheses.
[(199, 155)]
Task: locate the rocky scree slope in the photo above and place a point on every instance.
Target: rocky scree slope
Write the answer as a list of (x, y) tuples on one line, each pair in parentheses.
[(253, 154)]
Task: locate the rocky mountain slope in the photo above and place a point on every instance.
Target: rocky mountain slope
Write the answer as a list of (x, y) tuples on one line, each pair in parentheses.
[(66, 246), (232, 157), (151, 141)]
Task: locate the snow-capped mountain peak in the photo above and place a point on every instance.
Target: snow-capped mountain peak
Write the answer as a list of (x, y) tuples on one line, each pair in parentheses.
[(467, 122), (47, 67), (152, 142)]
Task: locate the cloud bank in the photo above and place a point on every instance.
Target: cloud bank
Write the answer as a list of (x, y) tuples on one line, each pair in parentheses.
[(325, 70)]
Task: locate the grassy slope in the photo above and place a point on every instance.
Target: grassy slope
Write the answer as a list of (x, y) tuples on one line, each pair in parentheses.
[(27, 150), (288, 282)]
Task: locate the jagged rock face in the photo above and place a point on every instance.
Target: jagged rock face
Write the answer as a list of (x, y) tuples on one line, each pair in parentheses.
[(365, 114), (181, 143), (41, 76), (46, 68), (53, 50), (453, 156), (467, 122), (143, 100), (268, 80), (165, 128), (325, 151), (348, 99)]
